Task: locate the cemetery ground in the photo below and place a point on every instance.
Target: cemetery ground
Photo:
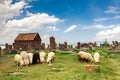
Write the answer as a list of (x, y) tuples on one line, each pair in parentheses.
[(65, 67)]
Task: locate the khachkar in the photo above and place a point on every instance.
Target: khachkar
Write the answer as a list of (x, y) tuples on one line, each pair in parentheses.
[(43, 46), (65, 44), (78, 45), (52, 43), (0, 50)]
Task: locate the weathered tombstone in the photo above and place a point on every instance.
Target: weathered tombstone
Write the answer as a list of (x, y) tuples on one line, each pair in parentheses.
[(91, 47), (43, 46), (48, 46), (78, 45), (0, 50), (52, 43), (10, 47), (65, 44), (61, 46), (6, 46), (0, 54), (94, 44)]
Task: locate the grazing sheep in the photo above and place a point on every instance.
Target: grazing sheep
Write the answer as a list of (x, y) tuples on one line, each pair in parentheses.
[(36, 58), (96, 57), (42, 56), (84, 56), (25, 57), (30, 57), (18, 60), (51, 57)]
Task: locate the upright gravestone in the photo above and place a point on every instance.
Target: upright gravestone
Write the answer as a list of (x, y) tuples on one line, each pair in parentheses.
[(43, 46), (0, 50), (0, 54), (78, 45), (52, 43), (7, 48), (65, 45), (61, 46)]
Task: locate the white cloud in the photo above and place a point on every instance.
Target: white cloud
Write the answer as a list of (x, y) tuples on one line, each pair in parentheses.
[(112, 9), (10, 27), (110, 34), (33, 21), (52, 28), (97, 26), (29, 0), (117, 17), (7, 12), (71, 28), (45, 38), (100, 19)]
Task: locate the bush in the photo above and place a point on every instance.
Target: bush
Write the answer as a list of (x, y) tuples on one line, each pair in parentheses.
[(76, 50), (13, 52)]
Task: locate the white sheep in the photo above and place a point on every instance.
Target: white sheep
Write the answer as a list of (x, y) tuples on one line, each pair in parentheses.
[(42, 57), (84, 56), (51, 57), (18, 60), (25, 57), (96, 57), (30, 57)]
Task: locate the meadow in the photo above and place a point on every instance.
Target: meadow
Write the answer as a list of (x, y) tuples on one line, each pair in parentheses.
[(65, 67)]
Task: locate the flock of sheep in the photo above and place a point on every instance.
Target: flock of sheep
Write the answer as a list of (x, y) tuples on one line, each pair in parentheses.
[(25, 58), (85, 56)]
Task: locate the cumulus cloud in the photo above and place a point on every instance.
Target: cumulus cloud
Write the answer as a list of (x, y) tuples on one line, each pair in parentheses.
[(52, 28), (112, 9), (117, 17), (8, 11), (110, 34), (45, 39), (10, 27), (71, 28), (97, 26), (33, 21), (100, 19)]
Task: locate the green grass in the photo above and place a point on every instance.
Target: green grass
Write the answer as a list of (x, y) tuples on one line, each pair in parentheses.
[(65, 67)]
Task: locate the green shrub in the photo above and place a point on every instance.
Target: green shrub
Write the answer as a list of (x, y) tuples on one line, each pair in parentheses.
[(13, 52)]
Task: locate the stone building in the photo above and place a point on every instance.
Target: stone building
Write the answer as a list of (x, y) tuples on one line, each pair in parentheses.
[(27, 41)]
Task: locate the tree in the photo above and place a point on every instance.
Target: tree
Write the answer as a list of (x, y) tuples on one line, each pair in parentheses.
[(105, 43)]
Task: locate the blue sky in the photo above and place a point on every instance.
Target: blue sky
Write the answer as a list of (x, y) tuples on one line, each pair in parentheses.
[(66, 20)]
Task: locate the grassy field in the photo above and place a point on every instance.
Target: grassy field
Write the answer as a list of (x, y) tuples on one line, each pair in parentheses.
[(65, 67)]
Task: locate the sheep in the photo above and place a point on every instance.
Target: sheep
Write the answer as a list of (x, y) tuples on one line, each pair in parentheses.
[(25, 57), (36, 58), (51, 57), (42, 56), (84, 56), (18, 60), (30, 57), (96, 57)]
